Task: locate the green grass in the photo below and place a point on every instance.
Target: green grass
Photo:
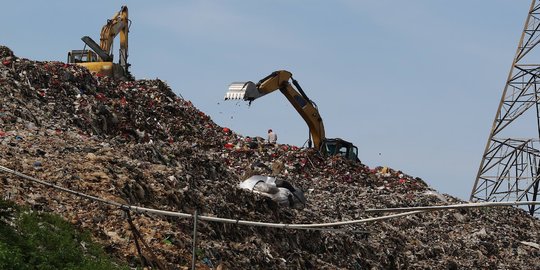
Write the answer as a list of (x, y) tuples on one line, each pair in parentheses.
[(32, 240)]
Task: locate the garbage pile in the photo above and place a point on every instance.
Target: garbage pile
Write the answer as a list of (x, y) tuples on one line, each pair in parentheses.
[(138, 143)]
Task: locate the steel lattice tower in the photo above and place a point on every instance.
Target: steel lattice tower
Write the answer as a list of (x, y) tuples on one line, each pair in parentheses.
[(510, 166)]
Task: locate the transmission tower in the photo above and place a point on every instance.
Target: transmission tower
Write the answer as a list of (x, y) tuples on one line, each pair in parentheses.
[(510, 166)]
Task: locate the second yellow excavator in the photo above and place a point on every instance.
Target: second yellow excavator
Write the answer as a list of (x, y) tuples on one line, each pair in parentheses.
[(99, 60), (250, 91)]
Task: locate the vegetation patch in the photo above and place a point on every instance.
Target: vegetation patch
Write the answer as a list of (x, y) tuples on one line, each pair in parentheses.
[(34, 240)]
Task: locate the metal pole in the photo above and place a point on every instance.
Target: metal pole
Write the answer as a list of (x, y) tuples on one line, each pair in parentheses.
[(195, 218), (498, 118), (132, 226)]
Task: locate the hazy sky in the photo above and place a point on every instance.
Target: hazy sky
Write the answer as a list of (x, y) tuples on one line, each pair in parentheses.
[(414, 84)]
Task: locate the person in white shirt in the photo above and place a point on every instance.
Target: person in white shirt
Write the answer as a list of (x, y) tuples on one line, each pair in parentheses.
[(272, 137)]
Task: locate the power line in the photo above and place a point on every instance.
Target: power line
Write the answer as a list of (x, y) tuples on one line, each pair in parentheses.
[(405, 210), (452, 206)]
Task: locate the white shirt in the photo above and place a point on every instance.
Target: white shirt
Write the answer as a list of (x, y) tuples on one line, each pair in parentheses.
[(272, 137)]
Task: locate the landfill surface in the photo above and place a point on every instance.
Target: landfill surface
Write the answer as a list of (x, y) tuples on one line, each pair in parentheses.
[(138, 143)]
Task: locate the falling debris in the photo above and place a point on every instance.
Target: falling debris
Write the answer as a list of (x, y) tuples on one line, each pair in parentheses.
[(138, 143)]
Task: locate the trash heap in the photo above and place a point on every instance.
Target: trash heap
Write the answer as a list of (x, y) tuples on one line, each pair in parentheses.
[(137, 143)]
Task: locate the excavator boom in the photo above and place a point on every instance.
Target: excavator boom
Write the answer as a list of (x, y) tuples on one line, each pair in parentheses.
[(118, 24), (307, 109), (279, 80)]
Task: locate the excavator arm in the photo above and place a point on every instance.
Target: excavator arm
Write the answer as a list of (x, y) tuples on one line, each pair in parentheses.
[(118, 24), (283, 81), (279, 80)]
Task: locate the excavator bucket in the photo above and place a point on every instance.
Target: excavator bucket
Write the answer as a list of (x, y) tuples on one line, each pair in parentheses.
[(243, 90)]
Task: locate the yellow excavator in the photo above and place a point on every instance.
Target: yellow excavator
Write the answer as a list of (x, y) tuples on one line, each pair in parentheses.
[(250, 91), (99, 60)]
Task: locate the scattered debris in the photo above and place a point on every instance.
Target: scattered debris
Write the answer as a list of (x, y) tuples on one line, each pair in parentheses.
[(278, 190), (138, 143)]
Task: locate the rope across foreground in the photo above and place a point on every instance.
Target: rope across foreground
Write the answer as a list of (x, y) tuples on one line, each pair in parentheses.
[(405, 211)]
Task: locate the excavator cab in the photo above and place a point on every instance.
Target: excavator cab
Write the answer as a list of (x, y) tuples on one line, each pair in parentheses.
[(82, 56), (342, 148), (90, 60)]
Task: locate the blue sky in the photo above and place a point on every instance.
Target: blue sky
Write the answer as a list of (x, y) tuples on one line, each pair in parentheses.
[(414, 84)]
